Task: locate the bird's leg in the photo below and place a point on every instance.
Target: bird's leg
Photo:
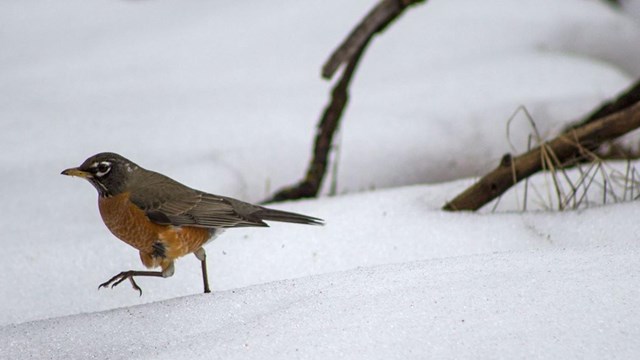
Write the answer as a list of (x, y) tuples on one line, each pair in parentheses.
[(116, 280), (202, 256)]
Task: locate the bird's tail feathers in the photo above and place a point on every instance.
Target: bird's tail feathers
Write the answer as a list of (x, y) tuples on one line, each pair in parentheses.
[(285, 216)]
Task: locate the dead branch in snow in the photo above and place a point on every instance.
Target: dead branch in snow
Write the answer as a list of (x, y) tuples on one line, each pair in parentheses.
[(614, 150), (567, 149), (349, 52)]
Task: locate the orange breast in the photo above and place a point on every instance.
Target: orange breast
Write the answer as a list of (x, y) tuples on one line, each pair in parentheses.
[(130, 224)]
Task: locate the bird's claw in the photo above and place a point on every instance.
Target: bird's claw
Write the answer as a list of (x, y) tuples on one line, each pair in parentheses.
[(116, 280)]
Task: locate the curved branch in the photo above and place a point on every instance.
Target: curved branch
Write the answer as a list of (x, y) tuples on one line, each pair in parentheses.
[(311, 183), (374, 22), (349, 52)]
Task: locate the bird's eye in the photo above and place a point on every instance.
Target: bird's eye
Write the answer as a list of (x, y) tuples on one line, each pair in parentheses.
[(103, 168)]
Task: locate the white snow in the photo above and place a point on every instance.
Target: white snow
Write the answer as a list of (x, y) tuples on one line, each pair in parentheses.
[(513, 305), (225, 98)]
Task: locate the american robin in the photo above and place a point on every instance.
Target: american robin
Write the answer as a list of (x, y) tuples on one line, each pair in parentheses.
[(164, 219)]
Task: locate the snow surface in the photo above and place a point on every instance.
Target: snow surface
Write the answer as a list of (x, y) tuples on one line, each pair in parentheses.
[(513, 305), (225, 97)]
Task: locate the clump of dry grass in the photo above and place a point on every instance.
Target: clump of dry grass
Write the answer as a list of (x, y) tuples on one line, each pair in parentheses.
[(580, 183)]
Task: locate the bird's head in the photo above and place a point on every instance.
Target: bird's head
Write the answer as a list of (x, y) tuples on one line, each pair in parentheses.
[(108, 172)]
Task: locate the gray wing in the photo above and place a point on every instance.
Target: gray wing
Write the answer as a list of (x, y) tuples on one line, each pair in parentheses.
[(168, 202)]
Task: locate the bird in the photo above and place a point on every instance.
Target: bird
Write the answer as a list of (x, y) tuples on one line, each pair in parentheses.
[(164, 219)]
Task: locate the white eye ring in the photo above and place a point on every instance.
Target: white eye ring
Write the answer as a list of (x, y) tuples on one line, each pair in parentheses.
[(103, 168)]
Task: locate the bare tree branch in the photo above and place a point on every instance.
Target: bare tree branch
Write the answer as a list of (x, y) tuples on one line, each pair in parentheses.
[(567, 147), (624, 100), (311, 183), (349, 52), (614, 150), (376, 21)]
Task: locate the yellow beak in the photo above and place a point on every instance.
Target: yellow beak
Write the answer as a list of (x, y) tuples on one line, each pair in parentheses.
[(76, 172)]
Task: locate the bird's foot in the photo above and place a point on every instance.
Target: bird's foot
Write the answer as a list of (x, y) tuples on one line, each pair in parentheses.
[(116, 280)]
